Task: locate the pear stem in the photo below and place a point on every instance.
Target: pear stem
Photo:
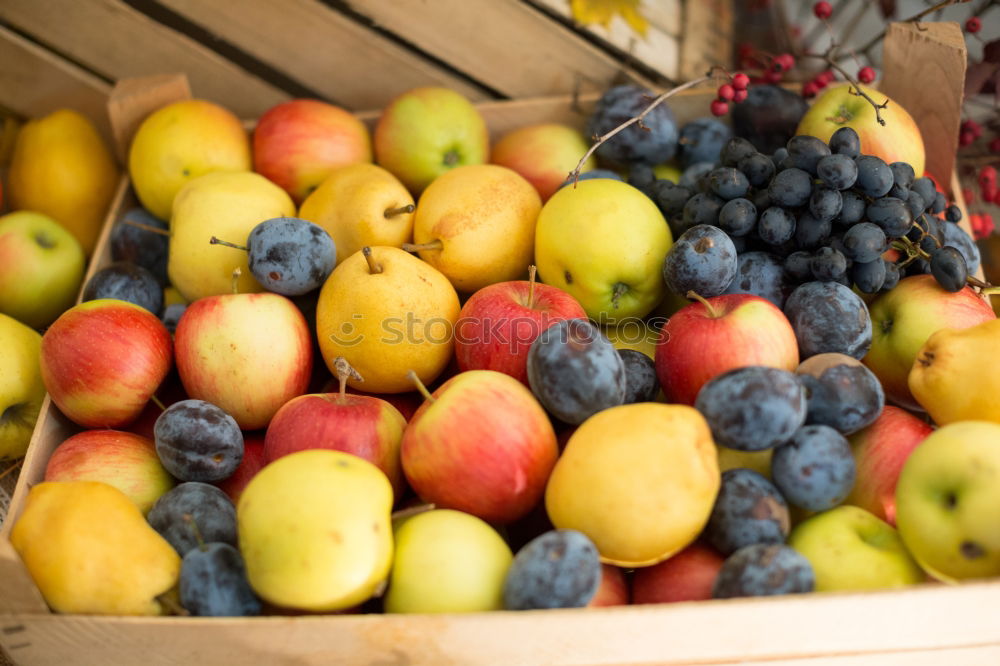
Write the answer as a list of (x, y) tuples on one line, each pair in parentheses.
[(420, 386), (189, 519), (532, 272), (344, 372), (146, 227), (237, 272), (159, 403), (372, 266), (712, 312), (392, 212), (218, 241), (420, 247)]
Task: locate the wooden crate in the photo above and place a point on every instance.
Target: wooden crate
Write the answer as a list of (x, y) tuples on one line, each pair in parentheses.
[(922, 625)]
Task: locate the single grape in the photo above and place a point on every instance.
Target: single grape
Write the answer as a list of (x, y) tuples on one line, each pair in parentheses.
[(758, 168), (869, 276), (703, 260), (925, 188), (737, 217), (940, 203), (810, 232), (201, 503), (825, 203), (749, 509), (671, 199), (915, 203), (558, 569), (692, 176), (760, 199), (845, 141), (892, 276), (197, 441), (874, 176), (852, 209), (806, 152), (641, 176), (902, 175), (701, 209), (864, 242), (752, 408), (837, 171), (641, 384), (829, 317), (574, 371), (892, 215), (735, 149), (779, 156), (953, 213), (728, 183), (798, 266), (815, 470), (125, 281), (790, 188), (958, 238), (949, 269), (290, 256), (761, 570), (828, 264), (213, 583)]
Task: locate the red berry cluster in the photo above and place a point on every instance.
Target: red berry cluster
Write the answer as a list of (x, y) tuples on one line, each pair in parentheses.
[(735, 91), (817, 83), (988, 185), (982, 225), (968, 132)]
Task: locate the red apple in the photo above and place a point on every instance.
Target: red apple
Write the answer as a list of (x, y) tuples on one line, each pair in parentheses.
[(297, 144), (248, 354), (253, 461), (102, 360), (120, 459), (879, 453), (498, 323), (707, 338), (482, 444), (902, 320), (544, 154), (407, 403), (365, 426), (170, 391), (687, 576), (612, 590)]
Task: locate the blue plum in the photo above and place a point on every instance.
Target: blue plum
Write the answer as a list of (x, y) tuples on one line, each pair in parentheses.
[(703, 260), (654, 145), (557, 569), (815, 470), (213, 583), (829, 317), (197, 441), (203, 504), (762, 570), (749, 509)]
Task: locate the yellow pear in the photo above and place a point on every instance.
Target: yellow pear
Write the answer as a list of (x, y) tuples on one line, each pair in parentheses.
[(315, 530), (639, 480), (956, 376), (387, 313), (90, 550), (447, 562), (21, 387), (61, 167), (361, 204), (228, 206), (477, 223), (180, 142)]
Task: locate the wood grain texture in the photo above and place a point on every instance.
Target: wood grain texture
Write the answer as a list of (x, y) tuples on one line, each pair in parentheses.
[(924, 71), (35, 82), (659, 50), (114, 39), (324, 49), (516, 49), (707, 38)]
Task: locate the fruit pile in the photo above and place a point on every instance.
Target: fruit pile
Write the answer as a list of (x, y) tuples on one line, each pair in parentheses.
[(324, 384)]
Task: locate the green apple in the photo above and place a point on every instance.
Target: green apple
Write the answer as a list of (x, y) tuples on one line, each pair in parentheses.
[(447, 562), (948, 501), (427, 131), (41, 268), (604, 242), (850, 549), (21, 388)]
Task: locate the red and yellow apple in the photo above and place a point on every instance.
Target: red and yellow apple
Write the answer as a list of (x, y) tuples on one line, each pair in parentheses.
[(707, 338), (253, 461), (482, 444), (687, 576), (248, 354), (612, 590), (296, 144), (121, 459), (544, 154), (102, 360), (498, 323)]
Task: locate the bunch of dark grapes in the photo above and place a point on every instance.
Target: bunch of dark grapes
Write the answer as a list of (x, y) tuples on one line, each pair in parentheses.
[(814, 211)]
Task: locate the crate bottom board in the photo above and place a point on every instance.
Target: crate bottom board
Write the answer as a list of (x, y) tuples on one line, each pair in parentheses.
[(919, 625)]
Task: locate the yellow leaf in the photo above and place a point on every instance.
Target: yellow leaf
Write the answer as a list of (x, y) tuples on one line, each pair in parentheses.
[(603, 12)]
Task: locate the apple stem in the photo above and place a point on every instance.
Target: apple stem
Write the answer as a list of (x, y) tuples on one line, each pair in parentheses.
[(712, 312), (392, 212), (372, 266), (237, 272), (420, 247), (344, 372), (420, 386), (189, 519), (146, 227), (218, 241), (532, 272), (158, 402)]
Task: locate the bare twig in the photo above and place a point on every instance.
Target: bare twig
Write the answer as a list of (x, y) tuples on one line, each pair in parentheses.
[(11, 468), (916, 17), (662, 97)]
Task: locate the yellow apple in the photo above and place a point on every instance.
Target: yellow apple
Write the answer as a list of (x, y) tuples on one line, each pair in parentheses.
[(180, 142), (21, 388)]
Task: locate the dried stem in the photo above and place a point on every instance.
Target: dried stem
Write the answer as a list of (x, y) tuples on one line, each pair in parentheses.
[(662, 97), (916, 17), (11, 468), (830, 59)]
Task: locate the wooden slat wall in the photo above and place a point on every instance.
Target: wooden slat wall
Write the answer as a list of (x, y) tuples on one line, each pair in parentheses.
[(118, 41), (323, 49)]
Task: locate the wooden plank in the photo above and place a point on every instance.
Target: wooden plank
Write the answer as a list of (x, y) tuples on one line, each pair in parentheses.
[(324, 50), (658, 50), (515, 48), (707, 37), (118, 41), (35, 82), (933, 54)]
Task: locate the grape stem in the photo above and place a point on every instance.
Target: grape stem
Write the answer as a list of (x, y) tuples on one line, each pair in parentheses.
[(659, 99)]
